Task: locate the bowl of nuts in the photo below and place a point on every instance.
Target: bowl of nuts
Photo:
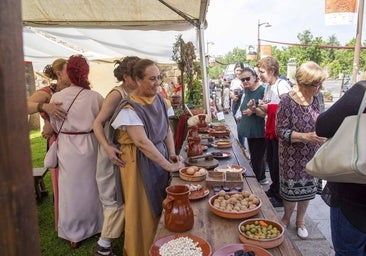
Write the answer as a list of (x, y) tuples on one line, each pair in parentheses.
[(180, 244), (231, 205), (261, 232)]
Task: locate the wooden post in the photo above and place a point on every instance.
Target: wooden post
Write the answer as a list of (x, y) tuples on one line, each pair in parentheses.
[(18, 221), (356, 59)]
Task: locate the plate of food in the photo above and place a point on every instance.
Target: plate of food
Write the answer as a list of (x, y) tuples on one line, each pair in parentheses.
[(203, 147), (197, 191), (223, 144), (230, 168), (241, 249), (221, 154), (179, 244)]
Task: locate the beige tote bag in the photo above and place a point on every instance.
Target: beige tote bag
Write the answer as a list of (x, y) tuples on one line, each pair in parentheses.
[(342, 158)]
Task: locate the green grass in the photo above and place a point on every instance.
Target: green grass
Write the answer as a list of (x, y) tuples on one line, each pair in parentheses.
[(51, 244)]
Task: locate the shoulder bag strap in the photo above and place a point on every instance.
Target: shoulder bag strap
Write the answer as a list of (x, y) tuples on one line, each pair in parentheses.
[(59, 130), (360, 111)]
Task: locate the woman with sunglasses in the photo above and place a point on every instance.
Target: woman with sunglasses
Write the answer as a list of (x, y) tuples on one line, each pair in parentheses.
[(251, 125), (295, 127)]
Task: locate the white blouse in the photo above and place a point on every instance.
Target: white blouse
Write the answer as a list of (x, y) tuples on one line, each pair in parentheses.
[(129, 117)]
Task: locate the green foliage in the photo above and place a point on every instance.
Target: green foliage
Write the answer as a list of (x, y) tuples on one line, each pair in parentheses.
[(51, 244), (335, 60), (38, 148), (194, 96), (184, 55)]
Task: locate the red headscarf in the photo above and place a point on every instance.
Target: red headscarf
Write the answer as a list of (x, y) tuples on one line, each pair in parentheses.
[(78, 71)]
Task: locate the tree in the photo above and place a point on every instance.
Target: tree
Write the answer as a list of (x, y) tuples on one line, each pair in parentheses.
[(309, 48)]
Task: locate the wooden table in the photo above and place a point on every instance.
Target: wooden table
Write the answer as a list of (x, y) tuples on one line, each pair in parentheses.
[(218, 231)]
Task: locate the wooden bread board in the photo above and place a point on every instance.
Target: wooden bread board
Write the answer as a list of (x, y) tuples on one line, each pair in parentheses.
[(209, 163)]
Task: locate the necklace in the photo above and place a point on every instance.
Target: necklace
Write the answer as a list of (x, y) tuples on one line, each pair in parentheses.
[(303, 103)]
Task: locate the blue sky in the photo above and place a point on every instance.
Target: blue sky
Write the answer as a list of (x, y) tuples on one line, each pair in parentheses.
[(233, 23)]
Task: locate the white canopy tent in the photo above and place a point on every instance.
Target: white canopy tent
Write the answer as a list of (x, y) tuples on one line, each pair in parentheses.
[(42, 45), (108, 29)]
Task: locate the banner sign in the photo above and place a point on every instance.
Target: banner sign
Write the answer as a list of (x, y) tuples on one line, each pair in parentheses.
[(340, 12)]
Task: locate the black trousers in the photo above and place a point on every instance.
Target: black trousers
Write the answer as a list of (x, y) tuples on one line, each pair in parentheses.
[(257, 148), (273, 165)]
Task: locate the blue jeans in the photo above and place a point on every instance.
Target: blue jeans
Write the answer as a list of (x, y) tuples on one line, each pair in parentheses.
[(347, 240)]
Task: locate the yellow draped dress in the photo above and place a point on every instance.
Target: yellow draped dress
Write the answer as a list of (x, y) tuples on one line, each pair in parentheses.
[(140, 224)]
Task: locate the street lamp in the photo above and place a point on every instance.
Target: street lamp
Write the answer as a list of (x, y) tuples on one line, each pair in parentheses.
[(266, 24), (209, 43)]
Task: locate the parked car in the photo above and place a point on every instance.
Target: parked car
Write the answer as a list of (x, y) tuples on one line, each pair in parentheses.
[(346, 82)]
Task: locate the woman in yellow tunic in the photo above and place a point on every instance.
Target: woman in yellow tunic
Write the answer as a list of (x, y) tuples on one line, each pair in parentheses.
[(148, 152)]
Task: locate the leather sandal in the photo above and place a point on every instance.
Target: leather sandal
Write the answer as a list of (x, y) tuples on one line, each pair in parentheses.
[(74, 245)]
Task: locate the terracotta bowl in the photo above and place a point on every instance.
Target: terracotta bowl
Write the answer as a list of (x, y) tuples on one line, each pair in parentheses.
[(205, 246), (219, 133), (230, 249), (187, 177), (233, 215), (223, 144), (264, 243)]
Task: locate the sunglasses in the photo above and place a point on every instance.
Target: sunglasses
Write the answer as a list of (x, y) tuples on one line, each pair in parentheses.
[(245, 79)]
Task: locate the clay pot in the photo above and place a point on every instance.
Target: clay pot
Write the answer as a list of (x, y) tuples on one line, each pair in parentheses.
[(175, 99), (202, 121), (178, 216), (194, 147), (193, 132)]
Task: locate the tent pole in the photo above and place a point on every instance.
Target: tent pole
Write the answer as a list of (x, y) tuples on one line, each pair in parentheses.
[(18, 223), (356, 59), (201, 43)]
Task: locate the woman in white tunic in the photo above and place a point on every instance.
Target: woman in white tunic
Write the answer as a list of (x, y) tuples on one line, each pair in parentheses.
[(80, 210)]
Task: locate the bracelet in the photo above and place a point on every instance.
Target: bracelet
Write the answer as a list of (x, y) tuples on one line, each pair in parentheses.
[(287, 136), (39, 107)]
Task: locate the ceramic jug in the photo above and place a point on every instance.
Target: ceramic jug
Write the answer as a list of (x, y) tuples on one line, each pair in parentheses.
[(202, 121), (178, 215), (193, 132), (194, 147)]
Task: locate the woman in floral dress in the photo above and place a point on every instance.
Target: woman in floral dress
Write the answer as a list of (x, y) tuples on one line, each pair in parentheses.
[(295, 126)]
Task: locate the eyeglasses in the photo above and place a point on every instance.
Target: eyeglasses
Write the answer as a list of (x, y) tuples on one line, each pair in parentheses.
[(245, 79), (317, 85)]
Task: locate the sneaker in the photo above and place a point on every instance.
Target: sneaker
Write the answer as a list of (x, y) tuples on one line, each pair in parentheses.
[(103, 251), (264, 182), (276, 203)]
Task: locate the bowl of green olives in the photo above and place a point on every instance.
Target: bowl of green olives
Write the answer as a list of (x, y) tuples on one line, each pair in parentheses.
[(261, 232)]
